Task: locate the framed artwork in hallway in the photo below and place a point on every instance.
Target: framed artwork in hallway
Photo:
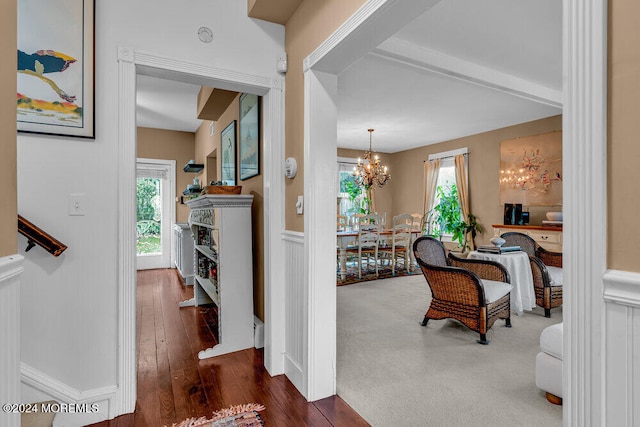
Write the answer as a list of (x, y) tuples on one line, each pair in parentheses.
[(249, 136), (228, 144), (55, 84)]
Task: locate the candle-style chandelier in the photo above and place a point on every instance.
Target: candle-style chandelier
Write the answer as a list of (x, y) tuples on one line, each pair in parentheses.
[(370, 172)]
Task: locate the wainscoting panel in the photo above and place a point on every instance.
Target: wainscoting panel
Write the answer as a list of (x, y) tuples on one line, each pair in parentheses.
[(89, 406), (622, 332), (10, 270), (295, 309)]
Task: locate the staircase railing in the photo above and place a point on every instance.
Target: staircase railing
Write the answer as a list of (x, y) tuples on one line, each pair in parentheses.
[(40, 237)]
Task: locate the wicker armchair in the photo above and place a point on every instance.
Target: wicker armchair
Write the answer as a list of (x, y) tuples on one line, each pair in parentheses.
[(473, 292), (546, 267)]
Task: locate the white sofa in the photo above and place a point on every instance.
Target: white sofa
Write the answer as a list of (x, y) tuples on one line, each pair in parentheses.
[(549, 363)]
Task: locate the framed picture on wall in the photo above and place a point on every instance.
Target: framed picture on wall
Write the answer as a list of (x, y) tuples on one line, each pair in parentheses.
[(228, 148), (56, 67), (249, 136)]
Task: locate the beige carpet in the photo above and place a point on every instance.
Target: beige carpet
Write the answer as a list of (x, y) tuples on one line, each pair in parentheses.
[(394, 372)]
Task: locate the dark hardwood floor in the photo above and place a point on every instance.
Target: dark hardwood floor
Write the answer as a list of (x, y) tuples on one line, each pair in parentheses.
[(173, 384)]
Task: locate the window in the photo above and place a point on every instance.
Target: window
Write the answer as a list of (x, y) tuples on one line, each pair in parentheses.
[(350, 195), (446, 213)]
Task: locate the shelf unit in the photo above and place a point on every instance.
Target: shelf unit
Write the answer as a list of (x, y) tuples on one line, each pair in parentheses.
[(223, 267)]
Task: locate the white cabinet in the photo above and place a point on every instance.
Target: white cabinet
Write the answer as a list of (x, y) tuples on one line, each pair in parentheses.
[(549, 237), (183, 252), (223, 267)]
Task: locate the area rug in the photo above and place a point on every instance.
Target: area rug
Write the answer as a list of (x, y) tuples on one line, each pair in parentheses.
[(234, 416), (383, 273)]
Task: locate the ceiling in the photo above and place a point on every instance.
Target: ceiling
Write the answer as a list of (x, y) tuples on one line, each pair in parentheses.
[(462, 68)]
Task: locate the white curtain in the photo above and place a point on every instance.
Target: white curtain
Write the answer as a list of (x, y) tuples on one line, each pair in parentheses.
[(462, 185), (431, 171)]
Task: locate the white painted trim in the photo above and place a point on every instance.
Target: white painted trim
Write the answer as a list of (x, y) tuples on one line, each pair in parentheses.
[(416, 56), (131, 62), (11, 267), (293, 236), (622, 287), (296, 308), (362, 32), (320, 145), (63, 393), (125, 399), (353, 160), (274, 220), (585, 207), (450, 153)]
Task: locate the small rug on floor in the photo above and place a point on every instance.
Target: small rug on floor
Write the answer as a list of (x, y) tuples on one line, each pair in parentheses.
[(235, 416), (383, 273)]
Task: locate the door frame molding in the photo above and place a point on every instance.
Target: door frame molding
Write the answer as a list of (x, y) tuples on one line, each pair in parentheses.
[(130, 63)]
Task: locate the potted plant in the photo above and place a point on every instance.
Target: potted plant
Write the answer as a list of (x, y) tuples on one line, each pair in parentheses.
[(449, 218)]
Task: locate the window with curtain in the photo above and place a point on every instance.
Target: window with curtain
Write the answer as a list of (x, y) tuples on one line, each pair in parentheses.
[(447, 208)]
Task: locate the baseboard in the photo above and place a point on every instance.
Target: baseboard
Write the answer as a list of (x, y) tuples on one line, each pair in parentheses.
[(258, 333), (77, 408), (295, 375)]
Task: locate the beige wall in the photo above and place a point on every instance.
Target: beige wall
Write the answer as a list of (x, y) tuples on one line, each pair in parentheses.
[(311, 24), (8, 179), (623, 130), (205, 146), (170, 145), (406, 168)]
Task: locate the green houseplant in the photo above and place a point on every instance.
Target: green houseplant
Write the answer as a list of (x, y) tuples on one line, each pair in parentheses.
[(449, 218)]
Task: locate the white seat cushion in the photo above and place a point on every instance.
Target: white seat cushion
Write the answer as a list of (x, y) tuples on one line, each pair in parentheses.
[(551, 340), (493, 290), (555, 275)]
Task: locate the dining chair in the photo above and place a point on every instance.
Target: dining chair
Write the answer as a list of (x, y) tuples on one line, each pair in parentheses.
[(417, 220), (368, 241), (400, 242), (474, 292), (354, 221), (341, 223), (546, 268)]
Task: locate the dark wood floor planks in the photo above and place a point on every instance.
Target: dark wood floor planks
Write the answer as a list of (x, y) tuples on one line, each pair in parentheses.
[(173, 384)]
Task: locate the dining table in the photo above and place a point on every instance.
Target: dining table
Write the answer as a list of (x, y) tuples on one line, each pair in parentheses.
[(349, 238), (517, 263)]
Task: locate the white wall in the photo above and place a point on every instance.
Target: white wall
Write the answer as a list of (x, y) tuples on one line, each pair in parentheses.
[(69, 303)]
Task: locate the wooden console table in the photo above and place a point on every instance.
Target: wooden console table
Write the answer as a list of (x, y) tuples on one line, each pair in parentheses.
[(547, 236)]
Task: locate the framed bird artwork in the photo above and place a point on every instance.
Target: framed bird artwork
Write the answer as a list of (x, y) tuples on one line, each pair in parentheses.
[(56, 67)]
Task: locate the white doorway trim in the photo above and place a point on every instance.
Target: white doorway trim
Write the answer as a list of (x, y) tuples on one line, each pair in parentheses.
[(584, 147), (168, 197), (131, 63)]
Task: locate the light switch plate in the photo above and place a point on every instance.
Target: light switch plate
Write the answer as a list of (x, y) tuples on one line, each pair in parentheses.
[(299, 205), (77, 204)]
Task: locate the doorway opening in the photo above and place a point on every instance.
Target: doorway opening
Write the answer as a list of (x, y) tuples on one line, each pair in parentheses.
[(155, 212)]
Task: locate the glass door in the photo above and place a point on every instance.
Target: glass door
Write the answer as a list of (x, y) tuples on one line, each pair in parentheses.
[(153, 215)]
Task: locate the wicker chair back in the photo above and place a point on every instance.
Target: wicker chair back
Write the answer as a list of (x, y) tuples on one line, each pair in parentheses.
[(430, 251)]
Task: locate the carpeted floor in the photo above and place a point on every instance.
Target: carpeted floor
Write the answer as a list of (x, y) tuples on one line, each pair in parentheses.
[(393, 371)]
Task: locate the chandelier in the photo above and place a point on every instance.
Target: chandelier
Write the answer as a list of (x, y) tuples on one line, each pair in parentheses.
[(370, 171)]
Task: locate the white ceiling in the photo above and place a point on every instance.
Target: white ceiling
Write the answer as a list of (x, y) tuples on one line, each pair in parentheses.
[(462, 68)]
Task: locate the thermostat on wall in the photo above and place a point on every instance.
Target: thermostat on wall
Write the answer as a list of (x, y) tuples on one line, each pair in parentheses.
[(290, 167)]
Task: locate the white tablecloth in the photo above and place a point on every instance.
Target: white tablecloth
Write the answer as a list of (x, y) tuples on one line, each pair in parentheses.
[(523, 296)]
